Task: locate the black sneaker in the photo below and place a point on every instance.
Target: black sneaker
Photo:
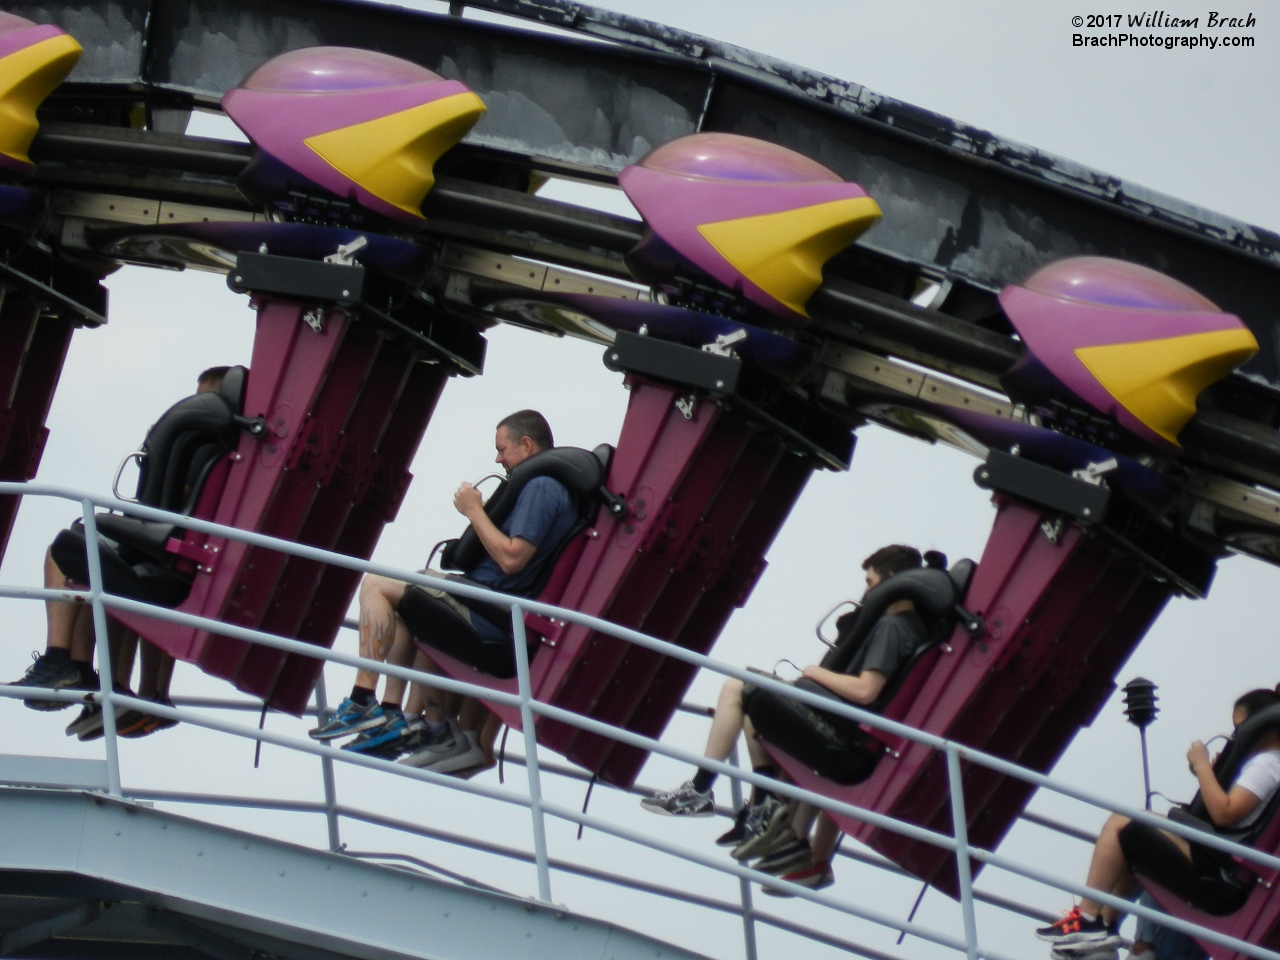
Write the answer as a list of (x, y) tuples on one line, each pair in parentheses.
[(1074, 929), (738, 832), (763, 829), (682, 802), (789, 854), (57, 675)]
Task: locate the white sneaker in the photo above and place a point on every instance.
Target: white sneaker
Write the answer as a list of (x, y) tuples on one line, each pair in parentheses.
[(470, 754), (435, 748)]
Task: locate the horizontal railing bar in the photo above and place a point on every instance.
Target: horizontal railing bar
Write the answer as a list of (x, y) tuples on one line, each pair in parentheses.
[(824, 938), (1058, 826), (222, 703), (632, 636), (225, 800)]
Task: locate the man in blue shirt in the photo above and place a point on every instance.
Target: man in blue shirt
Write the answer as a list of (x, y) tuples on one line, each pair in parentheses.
[(516, 552)]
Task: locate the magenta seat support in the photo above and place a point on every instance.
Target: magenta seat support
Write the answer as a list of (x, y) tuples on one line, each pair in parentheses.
[(32, 350), (345, 410)]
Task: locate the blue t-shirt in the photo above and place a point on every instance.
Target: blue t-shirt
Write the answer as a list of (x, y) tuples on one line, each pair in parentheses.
[(544, 514)]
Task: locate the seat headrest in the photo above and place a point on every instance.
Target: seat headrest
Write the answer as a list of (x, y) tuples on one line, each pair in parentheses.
[(961, 574), (233, 387), (604, 453)]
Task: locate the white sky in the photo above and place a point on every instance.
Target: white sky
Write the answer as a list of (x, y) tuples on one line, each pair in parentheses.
[(1198, 125)]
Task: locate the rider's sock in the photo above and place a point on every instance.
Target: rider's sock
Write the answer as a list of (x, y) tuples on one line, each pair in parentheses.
[(702, 780), (760, 794), (362, 696), (57, 655)]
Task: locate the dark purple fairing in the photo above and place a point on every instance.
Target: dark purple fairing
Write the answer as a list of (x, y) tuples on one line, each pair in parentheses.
[(706, 497), (1060, 619), (345, 411), (32, 350)]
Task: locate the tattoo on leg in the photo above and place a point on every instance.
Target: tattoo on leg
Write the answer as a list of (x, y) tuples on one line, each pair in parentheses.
[(376, 634)]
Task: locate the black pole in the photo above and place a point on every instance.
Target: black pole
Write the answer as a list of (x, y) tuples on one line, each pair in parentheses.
[(1140, 709)]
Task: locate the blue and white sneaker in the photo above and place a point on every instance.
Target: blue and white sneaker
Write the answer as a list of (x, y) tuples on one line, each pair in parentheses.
[(388, 740), (350, 718)]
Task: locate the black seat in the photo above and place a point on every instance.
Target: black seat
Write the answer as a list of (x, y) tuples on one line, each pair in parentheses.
[(175, 461), (1211, 881), (836, 747), (436, 625)]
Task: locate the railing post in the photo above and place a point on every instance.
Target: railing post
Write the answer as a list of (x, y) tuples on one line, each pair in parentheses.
[(103, 646), (326, 770), (960, 830), (744, 885), (531, 755)]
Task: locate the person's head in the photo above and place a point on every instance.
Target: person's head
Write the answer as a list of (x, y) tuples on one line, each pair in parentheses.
[(1251, 703), (520, 436), (211, 379), (887, 561)]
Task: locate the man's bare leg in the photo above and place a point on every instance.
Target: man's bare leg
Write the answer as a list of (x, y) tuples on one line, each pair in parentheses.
[(60, 616), (379, 597)]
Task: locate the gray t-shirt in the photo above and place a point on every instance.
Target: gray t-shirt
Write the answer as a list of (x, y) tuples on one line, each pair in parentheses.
[(891, 644)]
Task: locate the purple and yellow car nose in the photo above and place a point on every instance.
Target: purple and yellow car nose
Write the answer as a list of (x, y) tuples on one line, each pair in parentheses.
[(1130, 341), (34, 59), (757, 217), (360, 124)]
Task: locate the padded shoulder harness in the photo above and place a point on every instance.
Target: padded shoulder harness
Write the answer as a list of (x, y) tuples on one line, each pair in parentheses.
[(581, 471)]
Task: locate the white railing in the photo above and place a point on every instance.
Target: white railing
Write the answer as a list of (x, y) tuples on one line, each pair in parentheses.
[(532, 798)]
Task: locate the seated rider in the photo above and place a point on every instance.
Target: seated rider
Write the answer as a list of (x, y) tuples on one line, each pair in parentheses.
[(765, 826), (1094, 929), (67, 662), (543, 515)]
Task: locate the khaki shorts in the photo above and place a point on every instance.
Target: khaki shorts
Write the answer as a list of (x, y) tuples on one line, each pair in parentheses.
[(458, 607)]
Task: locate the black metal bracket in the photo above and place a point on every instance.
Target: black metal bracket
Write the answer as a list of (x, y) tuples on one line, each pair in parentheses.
[(673, 363), (297, 279), (1043, 486)]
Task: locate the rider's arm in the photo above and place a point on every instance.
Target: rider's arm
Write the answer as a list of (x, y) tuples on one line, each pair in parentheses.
[(511, 554), (861, 688), (1224, 807)]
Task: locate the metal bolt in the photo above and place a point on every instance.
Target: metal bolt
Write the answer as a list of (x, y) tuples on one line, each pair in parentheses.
[(720, 383), (346, 293), (1087, 511)]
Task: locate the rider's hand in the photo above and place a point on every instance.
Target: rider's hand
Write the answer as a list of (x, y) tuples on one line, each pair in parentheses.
[(467, 500), (1198, 754)]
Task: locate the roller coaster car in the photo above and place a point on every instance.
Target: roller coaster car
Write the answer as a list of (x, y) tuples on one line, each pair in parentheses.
[(1062, 605), (439, 630), (1225, 893), (700, 492), (182, 467), (840, 749)]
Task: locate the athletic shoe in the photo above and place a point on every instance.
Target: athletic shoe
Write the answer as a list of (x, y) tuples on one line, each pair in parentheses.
[(350, 718), (682, 802), (433, 748), (89, 725), (134, 723), (789, 853), (815, 877), (45, 672), (1074, 928), (738, 832), (387, 740), (454, 751), (763, 829)]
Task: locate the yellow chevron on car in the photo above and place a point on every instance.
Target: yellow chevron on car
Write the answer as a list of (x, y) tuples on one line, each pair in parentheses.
[(27, 76), (783, 253)]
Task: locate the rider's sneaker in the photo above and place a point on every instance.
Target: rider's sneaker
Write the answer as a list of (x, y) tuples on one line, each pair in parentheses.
[(350, 718), (387, 740), (738, 832), (789, 853), (763, 829), (815, 876), (57, 674), (89, 725), (1087, 951), (1073, 928), (681, 802)]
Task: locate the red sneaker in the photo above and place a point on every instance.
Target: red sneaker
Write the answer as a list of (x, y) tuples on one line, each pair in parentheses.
[(815, 877)]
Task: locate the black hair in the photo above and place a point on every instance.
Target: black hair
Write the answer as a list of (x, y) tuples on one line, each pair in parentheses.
[(893, 559), (531, 424), (213, 375), (1256, 700)]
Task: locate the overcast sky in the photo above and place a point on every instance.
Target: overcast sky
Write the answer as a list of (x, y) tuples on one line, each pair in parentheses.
[(1198, 125)]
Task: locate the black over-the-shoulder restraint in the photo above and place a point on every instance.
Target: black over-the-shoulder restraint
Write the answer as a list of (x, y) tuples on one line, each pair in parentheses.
[(581, 471)]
